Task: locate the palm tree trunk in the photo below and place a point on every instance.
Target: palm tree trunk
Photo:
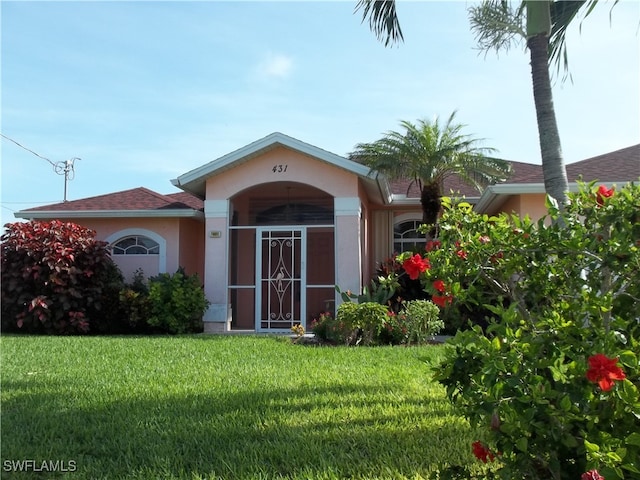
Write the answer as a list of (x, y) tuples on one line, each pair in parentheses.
[(553, 169), (430, 199)]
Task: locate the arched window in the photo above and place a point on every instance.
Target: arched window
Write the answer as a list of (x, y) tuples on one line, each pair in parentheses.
[(406, 236), (136, 245), (138, 248)]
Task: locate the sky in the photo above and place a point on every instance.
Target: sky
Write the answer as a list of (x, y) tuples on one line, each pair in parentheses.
[(142, 92)]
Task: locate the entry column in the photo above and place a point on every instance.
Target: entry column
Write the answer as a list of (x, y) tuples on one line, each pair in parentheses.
[(216, 266), (348, 256)]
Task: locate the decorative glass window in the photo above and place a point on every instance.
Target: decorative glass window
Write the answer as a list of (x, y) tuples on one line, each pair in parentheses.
[(406, 236), (136, 245)]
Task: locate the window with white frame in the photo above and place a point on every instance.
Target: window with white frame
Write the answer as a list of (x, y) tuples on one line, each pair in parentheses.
[(406, 236), (136, 245)]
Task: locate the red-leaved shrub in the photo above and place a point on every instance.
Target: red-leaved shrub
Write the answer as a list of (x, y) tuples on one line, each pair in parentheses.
[(56, 278)]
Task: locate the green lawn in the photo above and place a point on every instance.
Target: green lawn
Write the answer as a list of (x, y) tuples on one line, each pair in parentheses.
[(229, 407)]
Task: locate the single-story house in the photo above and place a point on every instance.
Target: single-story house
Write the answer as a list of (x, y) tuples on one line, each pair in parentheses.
[(272, 227)]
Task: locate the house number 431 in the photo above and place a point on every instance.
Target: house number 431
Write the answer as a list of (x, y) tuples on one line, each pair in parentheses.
[(279, 168)]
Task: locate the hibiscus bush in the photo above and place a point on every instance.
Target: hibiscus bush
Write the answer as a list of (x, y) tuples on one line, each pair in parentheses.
[(554, 377), (57, 278)]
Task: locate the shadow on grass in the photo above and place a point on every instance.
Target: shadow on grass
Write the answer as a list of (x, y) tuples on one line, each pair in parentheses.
[(345, 431)]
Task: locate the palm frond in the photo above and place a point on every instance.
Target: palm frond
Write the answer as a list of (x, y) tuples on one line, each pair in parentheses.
[(496, 25), (426, 152), (563, 13), (383, 19)]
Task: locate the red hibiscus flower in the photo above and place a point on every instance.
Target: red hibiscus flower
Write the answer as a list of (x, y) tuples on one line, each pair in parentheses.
[(603, 371), (481, 452), (415, 265), (591, 475), (433, 245), (484, 239), (602, 193), (462, 254), (442, 300), (439, 286)]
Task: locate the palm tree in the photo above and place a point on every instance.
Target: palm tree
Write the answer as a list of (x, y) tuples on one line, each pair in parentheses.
[(427, 153), (543, 24)]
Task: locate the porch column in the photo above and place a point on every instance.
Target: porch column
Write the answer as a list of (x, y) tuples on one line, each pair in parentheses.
[(348, 256), (217, 318)]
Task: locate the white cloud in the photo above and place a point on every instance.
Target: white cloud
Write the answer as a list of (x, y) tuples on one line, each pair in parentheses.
[(275, 65)]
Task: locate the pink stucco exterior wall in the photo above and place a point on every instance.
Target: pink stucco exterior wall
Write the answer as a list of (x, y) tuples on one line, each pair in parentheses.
[(300, 168), (183, 239), (532, 204)]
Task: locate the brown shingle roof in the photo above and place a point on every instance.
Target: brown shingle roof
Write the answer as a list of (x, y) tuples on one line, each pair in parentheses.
[(621, 165), (134, 199)]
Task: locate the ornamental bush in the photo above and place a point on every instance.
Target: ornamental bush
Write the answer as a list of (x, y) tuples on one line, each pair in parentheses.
[(359, 323), (554, 377), (56, 278), (176, 303), (423, 320)]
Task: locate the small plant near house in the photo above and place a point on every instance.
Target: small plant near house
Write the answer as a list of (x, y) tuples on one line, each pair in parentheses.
[(423, 319), (395, 330), (355, 324), (135, 306), (368, 318), (177, 303), (554, 378), (329, 330), (297, 330), (57, 278)]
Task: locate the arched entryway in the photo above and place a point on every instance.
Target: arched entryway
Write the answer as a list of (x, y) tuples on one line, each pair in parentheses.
[(281, 256)]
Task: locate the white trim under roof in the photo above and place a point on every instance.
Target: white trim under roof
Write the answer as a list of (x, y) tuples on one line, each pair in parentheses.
[(50, 214)]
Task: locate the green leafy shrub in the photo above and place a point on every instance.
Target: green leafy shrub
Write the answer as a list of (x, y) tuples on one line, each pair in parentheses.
[(368, 319), (355, 324), (177, 303), (423, 320), (135, 306), (56, 278), (395, 330), (555, 376)]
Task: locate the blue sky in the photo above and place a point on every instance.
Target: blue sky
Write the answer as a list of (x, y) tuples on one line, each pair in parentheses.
[(145, 91)]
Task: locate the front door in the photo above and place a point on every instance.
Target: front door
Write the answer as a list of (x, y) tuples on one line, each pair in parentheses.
[(280, 282)]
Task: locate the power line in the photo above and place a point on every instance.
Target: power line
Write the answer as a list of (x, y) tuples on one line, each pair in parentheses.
[(28, 150), (46, 202), (65, 168)]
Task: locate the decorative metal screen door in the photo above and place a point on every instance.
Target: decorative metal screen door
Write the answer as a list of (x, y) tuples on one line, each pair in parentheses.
[(280, 286)]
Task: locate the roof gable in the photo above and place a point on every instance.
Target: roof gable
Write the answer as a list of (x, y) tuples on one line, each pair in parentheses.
[(194, 181)]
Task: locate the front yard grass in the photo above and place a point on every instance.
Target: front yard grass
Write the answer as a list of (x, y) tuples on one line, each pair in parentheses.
[(227, 407)]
